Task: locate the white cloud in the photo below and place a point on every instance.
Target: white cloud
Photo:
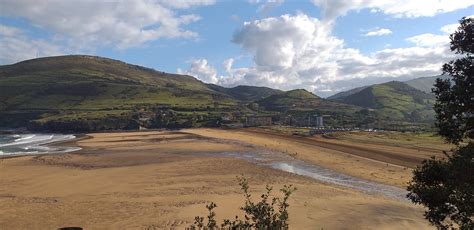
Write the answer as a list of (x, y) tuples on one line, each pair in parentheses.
[(228, 64), (9, 31), (449, 29), (278, 42), (433, 40), (300, 52), (120, 24), (201, 69), (429, 40), (16, 46), (396, 8), (378, 32), (266, 6)]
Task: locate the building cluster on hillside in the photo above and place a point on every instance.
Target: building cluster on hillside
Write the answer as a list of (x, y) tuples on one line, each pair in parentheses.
[(302, 121), (147, 117), (252, 121)]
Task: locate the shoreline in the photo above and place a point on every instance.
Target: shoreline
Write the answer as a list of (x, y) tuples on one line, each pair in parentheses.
[(318, 143)]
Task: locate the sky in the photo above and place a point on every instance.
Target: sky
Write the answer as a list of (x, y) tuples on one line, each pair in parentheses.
[(324, 46)]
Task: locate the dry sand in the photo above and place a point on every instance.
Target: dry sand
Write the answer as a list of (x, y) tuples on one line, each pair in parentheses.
[(131, 180)]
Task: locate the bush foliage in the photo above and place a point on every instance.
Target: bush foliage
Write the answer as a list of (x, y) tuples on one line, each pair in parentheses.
[(268, 213)]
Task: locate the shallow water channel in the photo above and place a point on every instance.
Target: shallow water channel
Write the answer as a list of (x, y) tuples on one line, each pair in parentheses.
[(289, 164)]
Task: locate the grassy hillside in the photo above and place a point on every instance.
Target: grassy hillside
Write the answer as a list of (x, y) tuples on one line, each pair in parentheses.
[(302, 100), (84, 93), (86, 82), (394, 100), (93, 85), (246, 93), (294, 99)]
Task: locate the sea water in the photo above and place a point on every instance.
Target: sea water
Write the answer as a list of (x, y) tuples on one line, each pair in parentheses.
[(33, 143)]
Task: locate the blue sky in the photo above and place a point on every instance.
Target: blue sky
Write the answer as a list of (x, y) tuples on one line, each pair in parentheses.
[(324, 46)]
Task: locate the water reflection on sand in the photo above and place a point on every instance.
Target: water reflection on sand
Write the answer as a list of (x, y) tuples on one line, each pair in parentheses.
[(289, 164)]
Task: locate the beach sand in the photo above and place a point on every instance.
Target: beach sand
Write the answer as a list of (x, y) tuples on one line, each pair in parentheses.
[(131, 180)]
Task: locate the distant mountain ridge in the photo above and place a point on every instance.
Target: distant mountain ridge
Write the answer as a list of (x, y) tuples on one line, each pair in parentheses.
[(302, 100), (347, 93), (393, 100), (425, 84), (78, 93)]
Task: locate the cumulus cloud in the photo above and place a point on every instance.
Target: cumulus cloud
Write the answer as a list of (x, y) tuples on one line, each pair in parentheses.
[(378, 32), (16, 46), (298, 51), (278, 42), (429, 40), (119, 24), (400, 8), (201, 69)]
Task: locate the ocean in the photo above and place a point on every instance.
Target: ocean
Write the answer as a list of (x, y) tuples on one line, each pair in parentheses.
[(33, 143)]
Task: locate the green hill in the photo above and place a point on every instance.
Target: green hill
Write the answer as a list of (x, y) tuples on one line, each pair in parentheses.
[(394, 100), (302, 100), (86, 87), (246, 93), (79, 93)]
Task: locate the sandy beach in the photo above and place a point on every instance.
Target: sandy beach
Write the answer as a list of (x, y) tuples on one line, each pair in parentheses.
[(131, 180)]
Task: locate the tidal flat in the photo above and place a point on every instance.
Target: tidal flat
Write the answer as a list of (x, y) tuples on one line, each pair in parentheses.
[(131, 180)]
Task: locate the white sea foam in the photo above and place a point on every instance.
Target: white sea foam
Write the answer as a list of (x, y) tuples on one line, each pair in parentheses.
[(24, 137), (21, 144)]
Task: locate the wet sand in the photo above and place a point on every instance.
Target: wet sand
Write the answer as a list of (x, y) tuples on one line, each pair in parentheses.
[(385, 164), (132, 180)]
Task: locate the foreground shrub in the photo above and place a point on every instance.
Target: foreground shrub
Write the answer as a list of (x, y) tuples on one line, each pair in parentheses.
[(268, 213)]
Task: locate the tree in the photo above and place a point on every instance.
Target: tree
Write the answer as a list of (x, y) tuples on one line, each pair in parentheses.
[(446, 186), (455, 97)]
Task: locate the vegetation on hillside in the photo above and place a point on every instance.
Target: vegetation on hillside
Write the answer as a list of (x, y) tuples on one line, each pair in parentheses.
[(301, 100), (85, 93), (394, 100), (82, 90), (247, 93)]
